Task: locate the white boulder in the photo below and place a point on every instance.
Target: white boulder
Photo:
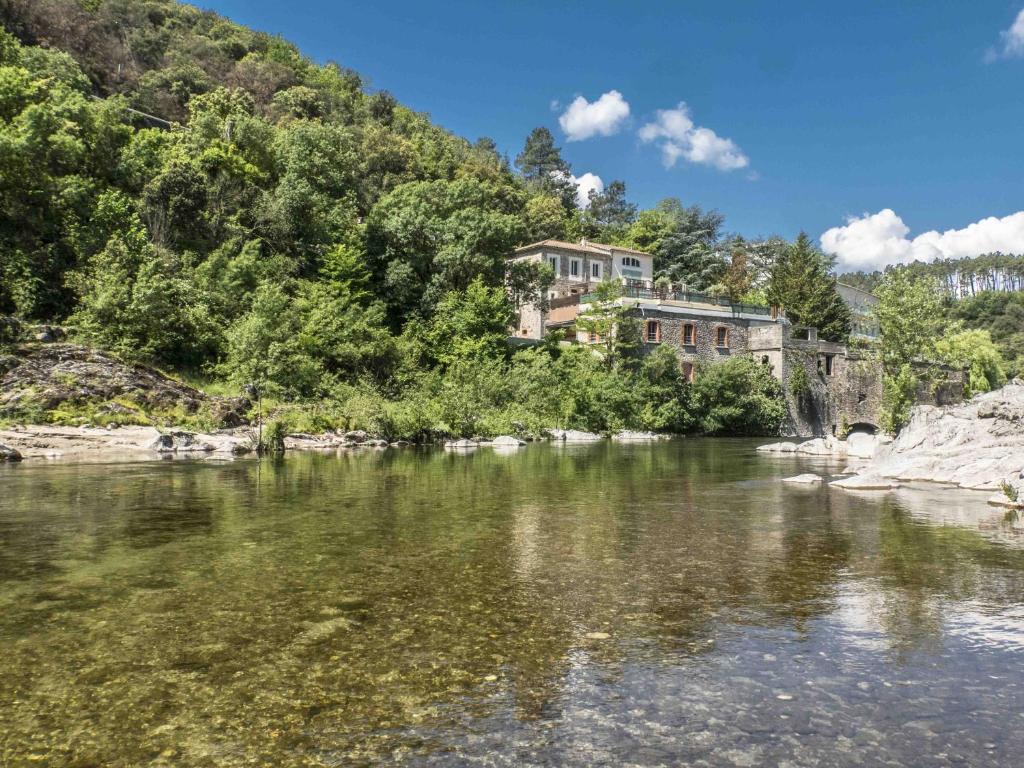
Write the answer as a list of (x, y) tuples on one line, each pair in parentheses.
[(778, 448), (506, 441), (628, 436), (461, 445), (807, 479), (574, 436)]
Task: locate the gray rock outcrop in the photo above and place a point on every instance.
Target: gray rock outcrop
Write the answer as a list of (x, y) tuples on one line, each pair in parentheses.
[(978, 444)]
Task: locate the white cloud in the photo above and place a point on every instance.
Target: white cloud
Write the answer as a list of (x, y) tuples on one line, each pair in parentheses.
[(679, 137), (873, 241), (583, 119), (1011, 41), (584, 185)]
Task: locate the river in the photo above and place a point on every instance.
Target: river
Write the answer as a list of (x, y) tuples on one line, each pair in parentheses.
[(645, 605)]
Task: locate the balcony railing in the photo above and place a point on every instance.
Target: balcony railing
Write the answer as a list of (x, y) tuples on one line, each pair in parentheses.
[(692, 297)]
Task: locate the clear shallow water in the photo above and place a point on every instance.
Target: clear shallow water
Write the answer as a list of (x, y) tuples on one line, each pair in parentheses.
[(591, 605)]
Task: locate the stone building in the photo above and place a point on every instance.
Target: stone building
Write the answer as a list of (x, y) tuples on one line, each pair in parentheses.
[(841, 384)]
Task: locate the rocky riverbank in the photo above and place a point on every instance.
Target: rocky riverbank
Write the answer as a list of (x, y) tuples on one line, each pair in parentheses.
[(977, 445)]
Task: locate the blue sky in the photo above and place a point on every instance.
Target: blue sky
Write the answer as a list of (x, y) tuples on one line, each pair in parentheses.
[(911, 112)]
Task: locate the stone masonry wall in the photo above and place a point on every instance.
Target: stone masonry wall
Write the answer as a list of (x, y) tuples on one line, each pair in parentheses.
[(704, 351)]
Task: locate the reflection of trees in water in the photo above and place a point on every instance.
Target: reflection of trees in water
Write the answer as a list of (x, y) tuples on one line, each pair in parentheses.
[(333, 600)]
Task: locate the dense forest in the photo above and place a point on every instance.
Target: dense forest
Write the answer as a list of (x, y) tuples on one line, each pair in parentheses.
[(190, 193)]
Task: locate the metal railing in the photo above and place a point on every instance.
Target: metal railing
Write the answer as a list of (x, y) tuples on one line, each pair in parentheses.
[(665, 294)]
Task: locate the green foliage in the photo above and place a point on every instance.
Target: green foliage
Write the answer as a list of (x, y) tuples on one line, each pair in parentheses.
[(470, 324), (738, 397), (613, 326), (799, 382), (909, 314), (802, 285), (1001, 314), (1009, 491), (290, 223), (975, 351), (899, 391)]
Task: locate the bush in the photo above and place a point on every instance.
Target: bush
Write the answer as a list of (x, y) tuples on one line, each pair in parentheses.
[(739, 397)]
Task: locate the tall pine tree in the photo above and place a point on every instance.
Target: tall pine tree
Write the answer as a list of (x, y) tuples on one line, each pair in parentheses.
[(544, 169), (802, 284)]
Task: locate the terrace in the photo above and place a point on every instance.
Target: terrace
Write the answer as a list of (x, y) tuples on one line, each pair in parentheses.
[(665, 294)]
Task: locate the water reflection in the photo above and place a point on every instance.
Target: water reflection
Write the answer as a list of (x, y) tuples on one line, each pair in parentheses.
[(559, 605)]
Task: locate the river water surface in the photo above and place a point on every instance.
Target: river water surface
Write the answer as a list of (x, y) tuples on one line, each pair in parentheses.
[(589, 605)]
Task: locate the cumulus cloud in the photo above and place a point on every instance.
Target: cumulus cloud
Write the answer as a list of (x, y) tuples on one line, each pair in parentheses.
[(585, 184), (604, 117), (679, 137), (873, 241), (1011, 43)]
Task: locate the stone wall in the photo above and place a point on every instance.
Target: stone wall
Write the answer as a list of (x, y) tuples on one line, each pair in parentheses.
[(704, 350)]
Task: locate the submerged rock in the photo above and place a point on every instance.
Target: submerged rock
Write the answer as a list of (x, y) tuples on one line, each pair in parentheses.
[(807, 479), (867, 482), (9, 454)]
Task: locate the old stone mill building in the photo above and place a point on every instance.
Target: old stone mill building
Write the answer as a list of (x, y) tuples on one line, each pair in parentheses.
[(844, 380)]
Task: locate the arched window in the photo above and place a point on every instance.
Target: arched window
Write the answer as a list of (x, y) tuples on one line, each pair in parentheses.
[(689, 335), (653, 332), (630, 261)]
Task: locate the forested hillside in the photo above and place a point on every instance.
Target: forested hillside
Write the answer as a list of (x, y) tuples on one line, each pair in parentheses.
[(184, 191), (958, 278)]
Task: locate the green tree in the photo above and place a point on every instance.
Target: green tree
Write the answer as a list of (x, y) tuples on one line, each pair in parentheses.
[(470, 324), (910, 317), (909, 313), (975, 351), (543, 167), (264, 348), (612, 325), (739, 397), (428, 238), (801, 283), (609, 214)]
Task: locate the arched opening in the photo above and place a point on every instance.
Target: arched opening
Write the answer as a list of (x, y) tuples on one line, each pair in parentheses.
[(865, 427)]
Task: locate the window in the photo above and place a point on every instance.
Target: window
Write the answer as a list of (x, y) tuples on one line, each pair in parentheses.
[(553, 261), (594, 337), (630, 261), (689, 335), (653, 332), (595, 270), (574, 268), (689, 371), (829, 364), (721, 337)]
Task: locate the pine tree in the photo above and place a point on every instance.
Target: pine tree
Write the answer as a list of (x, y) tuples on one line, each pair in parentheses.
[(543, 167), (802, 284)]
